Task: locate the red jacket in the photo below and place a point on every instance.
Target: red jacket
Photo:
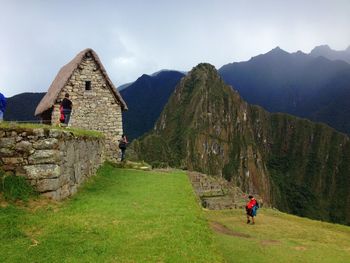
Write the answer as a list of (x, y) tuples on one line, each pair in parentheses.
[(61, 114), (251, 203)]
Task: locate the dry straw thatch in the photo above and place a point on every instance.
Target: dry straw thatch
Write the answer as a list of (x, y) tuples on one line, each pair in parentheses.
[(64, 75)]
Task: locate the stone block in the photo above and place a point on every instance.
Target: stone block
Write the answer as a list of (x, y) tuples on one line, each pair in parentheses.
[(65, 191), (73, 189), (78, 175), (9, 167), (54, 195), (39, 132), (7, 142), (45, 185), (50, 143), (23, 146), (40, 171), (65, 179), (7, 152), (12, 160), (55, 133), (44, 156)]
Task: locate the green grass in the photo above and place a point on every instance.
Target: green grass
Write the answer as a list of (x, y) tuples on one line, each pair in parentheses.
[(15, 188), (280, 237), (118, 216), (31, 126), (124, 215)]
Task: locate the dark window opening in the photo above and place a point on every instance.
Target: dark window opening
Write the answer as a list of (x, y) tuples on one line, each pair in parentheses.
[(87, 85)]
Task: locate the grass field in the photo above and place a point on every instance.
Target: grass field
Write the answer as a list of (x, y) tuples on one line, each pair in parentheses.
[(126, 215), (119, 216), (278, 237)]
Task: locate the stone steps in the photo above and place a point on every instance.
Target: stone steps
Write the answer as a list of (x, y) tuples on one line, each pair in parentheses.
[(216, 193)]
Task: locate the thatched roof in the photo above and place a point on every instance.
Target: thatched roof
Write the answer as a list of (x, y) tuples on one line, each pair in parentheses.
[(64, 75)]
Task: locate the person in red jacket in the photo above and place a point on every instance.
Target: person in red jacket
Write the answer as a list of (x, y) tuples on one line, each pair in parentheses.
[(251, 209)]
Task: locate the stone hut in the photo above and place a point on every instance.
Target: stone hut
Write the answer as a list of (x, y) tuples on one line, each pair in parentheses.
[(97, 105)]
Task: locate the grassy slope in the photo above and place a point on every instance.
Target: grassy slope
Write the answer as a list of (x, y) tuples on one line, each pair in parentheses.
[(279, 237), (119, 216), (135, 216)]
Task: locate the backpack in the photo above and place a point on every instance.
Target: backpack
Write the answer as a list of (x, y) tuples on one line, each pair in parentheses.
[(122, 144), (255, 208)]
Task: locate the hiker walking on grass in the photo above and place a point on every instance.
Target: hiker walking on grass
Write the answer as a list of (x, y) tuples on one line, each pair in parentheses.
[(122, 146), (251, 208), (66, 105), (2, 106)]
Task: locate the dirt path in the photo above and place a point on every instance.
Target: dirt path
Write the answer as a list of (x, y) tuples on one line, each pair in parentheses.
[(219, 228)]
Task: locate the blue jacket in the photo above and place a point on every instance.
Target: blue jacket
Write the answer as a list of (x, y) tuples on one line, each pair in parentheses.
[(2, 102)]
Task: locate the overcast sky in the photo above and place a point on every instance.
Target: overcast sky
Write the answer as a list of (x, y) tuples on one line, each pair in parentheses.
[(134, 37)]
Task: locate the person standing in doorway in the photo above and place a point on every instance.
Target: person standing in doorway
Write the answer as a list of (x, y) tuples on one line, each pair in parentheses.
[(122, 146), (67, 106), (2, 106)]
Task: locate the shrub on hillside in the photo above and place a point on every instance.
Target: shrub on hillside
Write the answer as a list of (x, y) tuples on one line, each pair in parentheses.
[(157, 164)]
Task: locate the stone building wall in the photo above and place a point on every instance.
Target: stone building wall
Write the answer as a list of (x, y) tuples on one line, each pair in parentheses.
[(95, 109), (55, 162)]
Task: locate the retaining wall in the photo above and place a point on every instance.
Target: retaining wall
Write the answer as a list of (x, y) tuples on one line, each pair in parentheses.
[(55, 162)]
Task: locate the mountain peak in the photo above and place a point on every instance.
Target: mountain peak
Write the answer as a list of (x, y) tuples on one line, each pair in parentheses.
[(331, 54), (299, 53), (321, 48), (204, 69), (205, 66), (144, 76), (277, 50), (274, 54)]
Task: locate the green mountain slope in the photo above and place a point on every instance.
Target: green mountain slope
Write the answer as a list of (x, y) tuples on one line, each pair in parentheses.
[(296, 165)]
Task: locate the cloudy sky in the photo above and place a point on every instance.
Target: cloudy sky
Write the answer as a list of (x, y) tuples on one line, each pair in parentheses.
[(134, 37)]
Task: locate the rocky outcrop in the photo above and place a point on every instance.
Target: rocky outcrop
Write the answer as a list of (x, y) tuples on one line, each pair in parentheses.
[(55, 162)]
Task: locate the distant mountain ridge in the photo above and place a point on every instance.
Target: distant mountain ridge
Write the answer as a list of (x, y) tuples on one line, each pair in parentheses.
[(21, 107), (297, 83), (327, 52), (146, 98)]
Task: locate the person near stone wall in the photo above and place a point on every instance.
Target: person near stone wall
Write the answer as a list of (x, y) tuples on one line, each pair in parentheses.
[(67, 106), (122, 146), (2, 106)]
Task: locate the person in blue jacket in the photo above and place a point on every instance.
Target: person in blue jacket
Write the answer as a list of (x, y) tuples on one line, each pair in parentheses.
[(2, 106)]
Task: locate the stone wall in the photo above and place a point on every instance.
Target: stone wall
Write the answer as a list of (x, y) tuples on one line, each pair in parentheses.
[(216, 193), (95, 109), (54, 161)]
